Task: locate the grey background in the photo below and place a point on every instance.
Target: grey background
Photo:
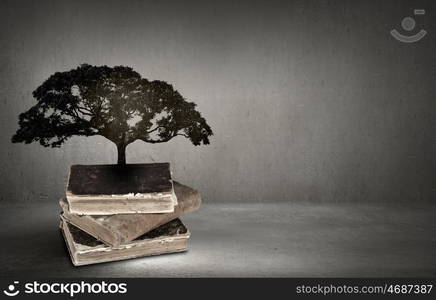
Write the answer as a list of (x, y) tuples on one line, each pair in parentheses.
[(309, 100), (323, 159)]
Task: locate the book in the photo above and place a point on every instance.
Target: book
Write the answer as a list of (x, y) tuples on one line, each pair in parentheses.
[(115, 230), (84, 249), (120, 189)]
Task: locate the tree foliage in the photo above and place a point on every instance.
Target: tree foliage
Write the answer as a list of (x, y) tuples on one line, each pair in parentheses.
[(116, 103)]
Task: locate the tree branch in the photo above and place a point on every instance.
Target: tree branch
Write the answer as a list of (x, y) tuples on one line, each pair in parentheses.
[(155, 129), (163, 140), (156, 141), (85, 111), (182, 134)]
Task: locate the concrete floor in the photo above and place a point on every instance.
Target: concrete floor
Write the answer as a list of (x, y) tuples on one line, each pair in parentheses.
[(256, 240)]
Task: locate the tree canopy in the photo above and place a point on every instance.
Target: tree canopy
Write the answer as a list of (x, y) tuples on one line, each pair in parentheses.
[(114, 102)]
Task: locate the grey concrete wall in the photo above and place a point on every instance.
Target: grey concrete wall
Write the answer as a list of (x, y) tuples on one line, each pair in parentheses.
[(309, 100)]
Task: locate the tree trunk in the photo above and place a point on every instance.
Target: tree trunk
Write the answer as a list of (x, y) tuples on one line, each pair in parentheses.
[(121, 154)]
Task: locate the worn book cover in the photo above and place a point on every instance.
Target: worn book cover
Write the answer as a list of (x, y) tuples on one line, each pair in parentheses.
[(115, 230), (120, 189), (84, 249)]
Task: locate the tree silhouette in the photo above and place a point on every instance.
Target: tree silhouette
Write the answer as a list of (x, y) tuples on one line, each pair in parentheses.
[(116, 103)]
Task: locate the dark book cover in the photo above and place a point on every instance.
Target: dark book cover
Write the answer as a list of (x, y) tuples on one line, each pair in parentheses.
[(114, 189)]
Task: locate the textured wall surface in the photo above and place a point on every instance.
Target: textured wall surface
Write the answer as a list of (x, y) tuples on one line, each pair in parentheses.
[(309, 101)]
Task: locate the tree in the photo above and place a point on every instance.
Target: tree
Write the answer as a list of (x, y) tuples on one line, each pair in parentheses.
[(116, 103)]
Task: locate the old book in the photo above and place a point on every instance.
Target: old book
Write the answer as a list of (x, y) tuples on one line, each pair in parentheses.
[(115, 230), (84, 249), (120, 189)]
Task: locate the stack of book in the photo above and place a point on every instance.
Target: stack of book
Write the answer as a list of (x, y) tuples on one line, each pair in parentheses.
[(116, 212)]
